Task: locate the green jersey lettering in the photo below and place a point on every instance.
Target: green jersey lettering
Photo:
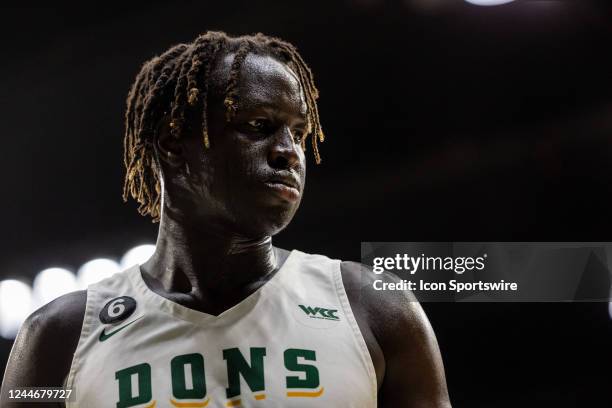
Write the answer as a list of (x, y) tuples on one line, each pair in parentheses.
[(311, 373), (188, 367), (253, 374), (126, 394)]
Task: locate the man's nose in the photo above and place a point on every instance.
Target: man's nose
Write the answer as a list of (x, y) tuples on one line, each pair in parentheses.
[(283, 152)]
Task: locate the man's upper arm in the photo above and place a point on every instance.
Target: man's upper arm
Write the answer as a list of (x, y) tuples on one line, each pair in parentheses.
[(414, 373), (43, 350)]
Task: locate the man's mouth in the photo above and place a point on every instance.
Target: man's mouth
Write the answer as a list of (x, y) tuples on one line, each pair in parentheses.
[(286, 187)]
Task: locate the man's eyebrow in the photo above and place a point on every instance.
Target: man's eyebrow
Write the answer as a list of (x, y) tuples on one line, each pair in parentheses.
[(251, 105), (258, 104)]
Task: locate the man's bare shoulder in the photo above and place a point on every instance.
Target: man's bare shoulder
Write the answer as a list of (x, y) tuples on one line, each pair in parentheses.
[(58, 322), (43, 350), (413, 370), (62, 316), (395, 317), (360, 278), (64, 313)]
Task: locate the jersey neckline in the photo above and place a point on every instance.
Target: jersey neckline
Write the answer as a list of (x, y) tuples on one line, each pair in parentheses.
[(201, 318)]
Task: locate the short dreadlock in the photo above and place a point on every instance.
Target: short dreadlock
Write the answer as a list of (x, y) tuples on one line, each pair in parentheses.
[(177, 82)]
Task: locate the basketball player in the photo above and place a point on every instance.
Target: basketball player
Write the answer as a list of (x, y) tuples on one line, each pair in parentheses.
[(216, 133)]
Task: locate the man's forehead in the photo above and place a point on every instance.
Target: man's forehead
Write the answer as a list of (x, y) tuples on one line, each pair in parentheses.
[(259, 66), (263, 79)]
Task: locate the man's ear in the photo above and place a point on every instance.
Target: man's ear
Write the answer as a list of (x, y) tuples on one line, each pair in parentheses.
[(169, 147)]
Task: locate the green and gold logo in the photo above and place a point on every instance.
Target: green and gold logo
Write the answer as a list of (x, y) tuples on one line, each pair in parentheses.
[(319, 312)]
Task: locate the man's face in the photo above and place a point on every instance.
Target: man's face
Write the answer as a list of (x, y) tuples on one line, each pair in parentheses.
[(251, 179)]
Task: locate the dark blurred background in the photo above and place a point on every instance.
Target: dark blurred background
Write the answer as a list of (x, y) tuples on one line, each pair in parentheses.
[(445, 121)]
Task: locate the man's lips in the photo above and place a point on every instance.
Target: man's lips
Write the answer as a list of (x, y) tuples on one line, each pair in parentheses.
[(285, 187), (287, 180)]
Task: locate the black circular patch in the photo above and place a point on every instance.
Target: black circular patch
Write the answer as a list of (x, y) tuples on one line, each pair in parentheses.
[(117, 309)]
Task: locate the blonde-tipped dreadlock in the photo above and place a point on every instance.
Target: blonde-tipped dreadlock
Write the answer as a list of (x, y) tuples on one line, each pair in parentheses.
[(178, 82)]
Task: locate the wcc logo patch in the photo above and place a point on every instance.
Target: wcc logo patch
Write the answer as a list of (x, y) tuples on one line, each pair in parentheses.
[(320, 312)]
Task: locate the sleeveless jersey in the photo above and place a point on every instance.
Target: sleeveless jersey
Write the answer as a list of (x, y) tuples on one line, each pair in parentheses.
[(294, 342)]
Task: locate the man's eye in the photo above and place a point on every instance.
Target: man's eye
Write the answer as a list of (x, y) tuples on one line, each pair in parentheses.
[(298, 135), (258, 124)]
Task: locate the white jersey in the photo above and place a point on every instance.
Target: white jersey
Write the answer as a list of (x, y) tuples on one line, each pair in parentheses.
[(292, 343)]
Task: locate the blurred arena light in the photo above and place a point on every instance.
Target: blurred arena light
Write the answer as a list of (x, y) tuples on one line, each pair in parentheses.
[(96, 270), (52, 283), (15, 306), (488, 2), (137, 255)]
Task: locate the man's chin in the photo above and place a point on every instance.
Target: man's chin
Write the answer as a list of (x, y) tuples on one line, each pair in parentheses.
[(269, 222)]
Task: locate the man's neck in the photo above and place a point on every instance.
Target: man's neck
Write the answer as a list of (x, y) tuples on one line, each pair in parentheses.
[(211, 269)]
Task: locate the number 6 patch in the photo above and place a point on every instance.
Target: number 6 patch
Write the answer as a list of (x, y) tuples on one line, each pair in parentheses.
[(117, 309)]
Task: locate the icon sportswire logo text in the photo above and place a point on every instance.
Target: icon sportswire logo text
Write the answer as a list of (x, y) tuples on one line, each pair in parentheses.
[(319, 312)]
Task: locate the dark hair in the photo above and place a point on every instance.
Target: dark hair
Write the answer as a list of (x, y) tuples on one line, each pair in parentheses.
[(177, 82)]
